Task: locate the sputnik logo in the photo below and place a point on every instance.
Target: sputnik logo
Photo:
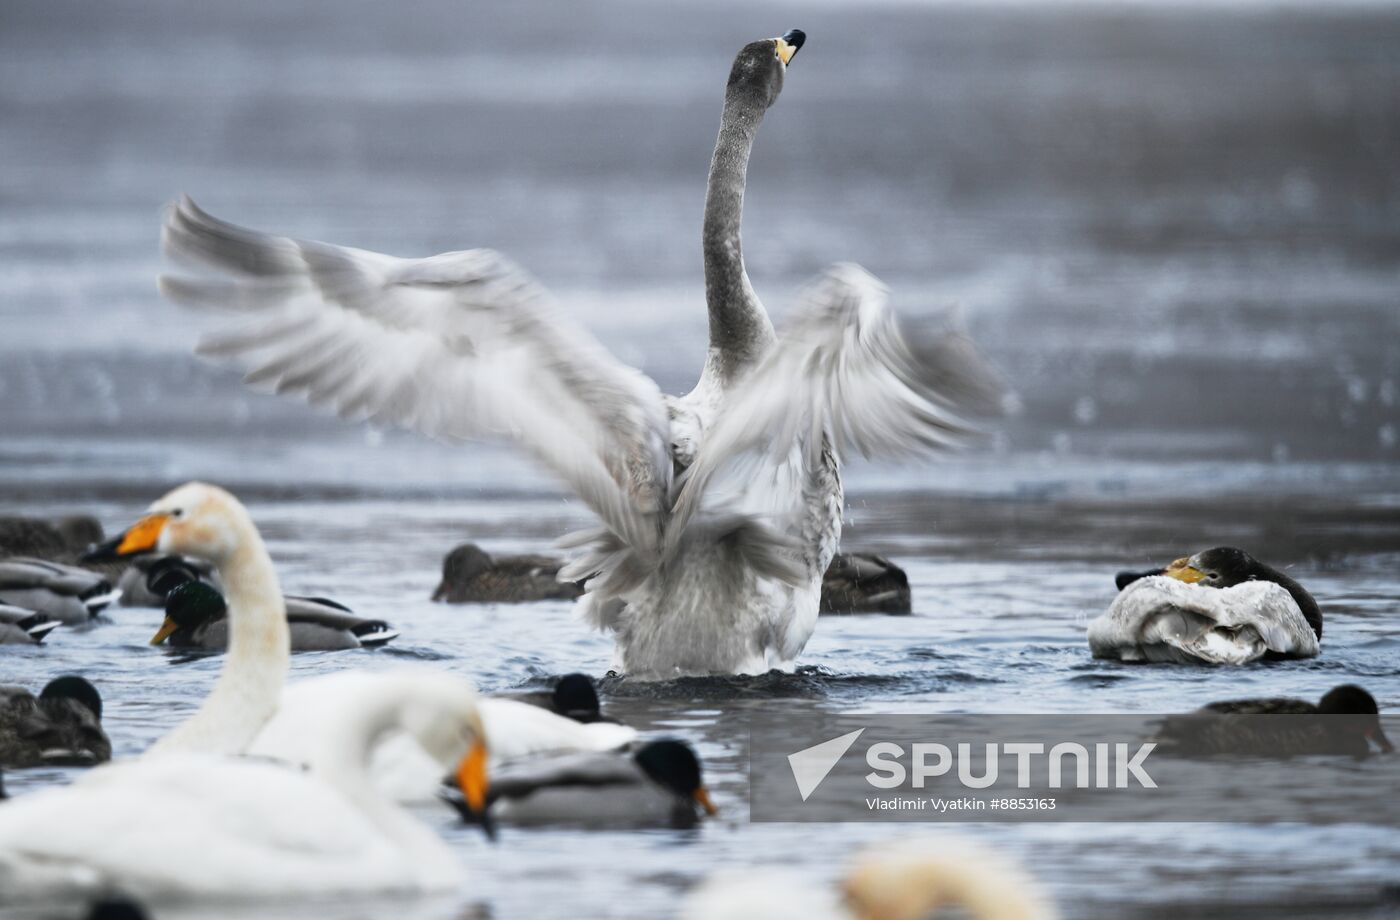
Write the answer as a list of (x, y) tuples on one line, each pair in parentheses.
[(812, 765)]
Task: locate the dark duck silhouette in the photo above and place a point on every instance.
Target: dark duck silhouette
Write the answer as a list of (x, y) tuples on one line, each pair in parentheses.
[(60, 727), (470, 575), (1345, 721)]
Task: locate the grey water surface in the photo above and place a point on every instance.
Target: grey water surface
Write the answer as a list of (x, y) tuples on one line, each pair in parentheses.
[(1175, 228)]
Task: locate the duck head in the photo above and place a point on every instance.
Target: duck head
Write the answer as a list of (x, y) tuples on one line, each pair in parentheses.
[(189, 606), (673, 764), (1351, 700)]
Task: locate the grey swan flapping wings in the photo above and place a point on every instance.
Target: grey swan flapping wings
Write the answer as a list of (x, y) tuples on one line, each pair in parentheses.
[(719, 509), (1220, 606), (1345, 721), (62, 726), (196, 617)]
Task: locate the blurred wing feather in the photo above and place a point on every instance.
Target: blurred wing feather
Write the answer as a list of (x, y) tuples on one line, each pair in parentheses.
[(459, 345)]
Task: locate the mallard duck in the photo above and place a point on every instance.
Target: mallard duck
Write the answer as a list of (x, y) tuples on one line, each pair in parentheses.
[(204, 827), (24, 627), (912, 879), (207, 522), (657, 785), (1237, 726), (71, 595), (471, 576), (150, 579), (720, 509), (196, 617), (864, 583), (1220, 606), (63, 726)]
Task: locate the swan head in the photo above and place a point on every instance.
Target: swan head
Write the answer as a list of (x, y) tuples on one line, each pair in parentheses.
[(912, 879), (758, 71), (195, 519)]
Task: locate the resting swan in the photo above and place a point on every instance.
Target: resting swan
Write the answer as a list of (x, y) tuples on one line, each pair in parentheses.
[(1220, 606), (909, 879), (720, 509), (196, 826)]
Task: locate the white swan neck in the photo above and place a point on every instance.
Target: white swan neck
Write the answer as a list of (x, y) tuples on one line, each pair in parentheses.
[(249, 687)]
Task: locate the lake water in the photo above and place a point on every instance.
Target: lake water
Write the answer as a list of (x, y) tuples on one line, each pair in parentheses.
[(1176, 231)]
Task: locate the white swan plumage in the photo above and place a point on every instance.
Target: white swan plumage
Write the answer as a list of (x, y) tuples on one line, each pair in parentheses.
[(1162, 619), (721, 509), (188, 826)]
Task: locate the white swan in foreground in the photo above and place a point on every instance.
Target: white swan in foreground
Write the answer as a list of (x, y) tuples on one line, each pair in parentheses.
[(403, 766), (208, 523), (907, 880), (1220, 606), (721, 509), (195, 826)]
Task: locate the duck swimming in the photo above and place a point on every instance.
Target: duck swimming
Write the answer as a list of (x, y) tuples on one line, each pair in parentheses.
[(150, 579), (71, 595), (720, 509), (864, 583), (62, 727), (196, 617), (1220, 606), (659, 784), (1232, 727), (471, 576), (24, 627)]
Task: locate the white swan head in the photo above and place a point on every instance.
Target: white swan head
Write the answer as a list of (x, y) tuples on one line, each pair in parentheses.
[(911, 879), (195, 519)]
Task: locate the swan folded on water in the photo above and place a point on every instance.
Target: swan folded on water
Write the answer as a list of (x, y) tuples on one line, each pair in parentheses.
[(1220, 606), (720, 509), (197, 826), (207, 522), (909, 879)]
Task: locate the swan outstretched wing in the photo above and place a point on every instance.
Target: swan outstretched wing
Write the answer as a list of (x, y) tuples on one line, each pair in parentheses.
[(459, 345), (842, 377)]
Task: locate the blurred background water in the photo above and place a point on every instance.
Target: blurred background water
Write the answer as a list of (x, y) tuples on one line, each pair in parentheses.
[(1175, 227)]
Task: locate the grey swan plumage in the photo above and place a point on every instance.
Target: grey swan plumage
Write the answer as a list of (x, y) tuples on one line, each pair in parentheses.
[(660, 784), (61, 726), (196, 617), (19, 626), (470, 575), (1237, 726), (69, 594), (1220, 606), (719, 510)]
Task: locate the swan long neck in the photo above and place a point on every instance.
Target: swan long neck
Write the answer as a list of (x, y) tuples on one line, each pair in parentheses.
[(740, 330), (249, 688), (907, 886)]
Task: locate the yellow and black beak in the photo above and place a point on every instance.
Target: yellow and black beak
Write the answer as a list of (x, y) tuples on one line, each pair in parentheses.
[(702, 798), (789, 44), (166, 628), (141, 537), (1183, 570)]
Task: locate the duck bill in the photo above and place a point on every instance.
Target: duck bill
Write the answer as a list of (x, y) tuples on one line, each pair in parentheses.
[(166, 629), (141, 537), (702, 798), (1183, 570)]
